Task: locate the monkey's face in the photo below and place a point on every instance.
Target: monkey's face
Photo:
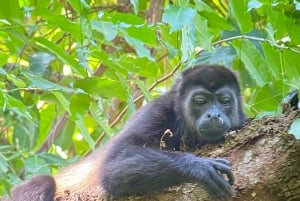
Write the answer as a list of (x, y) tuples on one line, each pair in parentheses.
[(210, 113)]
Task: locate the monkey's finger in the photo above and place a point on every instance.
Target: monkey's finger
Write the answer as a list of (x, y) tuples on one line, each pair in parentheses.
[(224, 161), (223, 169), (218, 188)]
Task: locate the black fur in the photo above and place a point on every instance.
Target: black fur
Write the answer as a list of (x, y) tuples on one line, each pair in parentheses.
[(137, 162)]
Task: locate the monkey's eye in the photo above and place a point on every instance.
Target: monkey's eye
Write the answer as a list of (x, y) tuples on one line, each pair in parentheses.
[(225, 100), (199, 100)]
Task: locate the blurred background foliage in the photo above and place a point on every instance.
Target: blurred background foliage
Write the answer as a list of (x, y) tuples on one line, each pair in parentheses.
[(72, 71)]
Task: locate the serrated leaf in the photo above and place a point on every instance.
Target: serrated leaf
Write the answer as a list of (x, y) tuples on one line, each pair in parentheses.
[(272, 58), (254, 63), (178, 17), (187, 43), (202, 34), (101, 121), (239, 12), (221, 55), (130, 100), (108, 29), (139, 46)]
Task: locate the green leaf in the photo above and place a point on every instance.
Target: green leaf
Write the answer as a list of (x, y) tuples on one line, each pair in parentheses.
[(11, 10), (178, 17), (135, 4), (142, 33), (39, 63), (202, 33), (24, 134), (65, 139), (16, 80), (215, 21), (15, 106), (96, 113), (3, 164), (129, 19), (62, 100), (103, 87), (79, 105), (60, 54), (139, 46), (108, 29), (239, 12), (3, 58), (267, 97), (254, 4), (37, 165), (144, 90), (40, 83), (221, 55), (295, 128), (59, 21), (85, 133), (47, 114), (79, 5), (130, 100), (254, 63), (272, 59), (188, 43)]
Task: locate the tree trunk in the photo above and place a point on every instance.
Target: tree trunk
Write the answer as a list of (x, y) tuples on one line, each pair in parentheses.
[(266, 165)]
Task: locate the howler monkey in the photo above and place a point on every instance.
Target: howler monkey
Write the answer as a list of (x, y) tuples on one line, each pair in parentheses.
[(201, 107)]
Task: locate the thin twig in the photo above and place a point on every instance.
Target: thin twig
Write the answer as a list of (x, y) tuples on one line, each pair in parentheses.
[(54, 133)]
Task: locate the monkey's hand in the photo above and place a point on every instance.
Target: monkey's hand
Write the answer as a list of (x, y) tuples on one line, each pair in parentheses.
[(209, 172)]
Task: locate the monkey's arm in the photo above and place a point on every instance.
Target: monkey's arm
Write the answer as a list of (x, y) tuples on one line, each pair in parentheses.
[(140, 170)]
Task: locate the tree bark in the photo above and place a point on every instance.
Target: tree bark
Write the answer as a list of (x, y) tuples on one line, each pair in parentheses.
[(265, 159)]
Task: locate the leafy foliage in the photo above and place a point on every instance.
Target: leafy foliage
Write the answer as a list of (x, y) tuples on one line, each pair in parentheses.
[(72, 72)]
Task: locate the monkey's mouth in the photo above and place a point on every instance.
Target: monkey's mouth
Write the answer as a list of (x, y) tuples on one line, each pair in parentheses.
[(212, 132), (210, 135)]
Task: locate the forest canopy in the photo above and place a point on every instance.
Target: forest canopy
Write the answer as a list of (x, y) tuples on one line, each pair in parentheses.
[(73, 71)]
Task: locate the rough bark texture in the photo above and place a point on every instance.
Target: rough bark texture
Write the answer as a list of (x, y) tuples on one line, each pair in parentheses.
[(266, 165)]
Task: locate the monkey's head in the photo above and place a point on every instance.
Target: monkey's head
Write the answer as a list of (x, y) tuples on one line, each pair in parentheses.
[(209, 100)]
